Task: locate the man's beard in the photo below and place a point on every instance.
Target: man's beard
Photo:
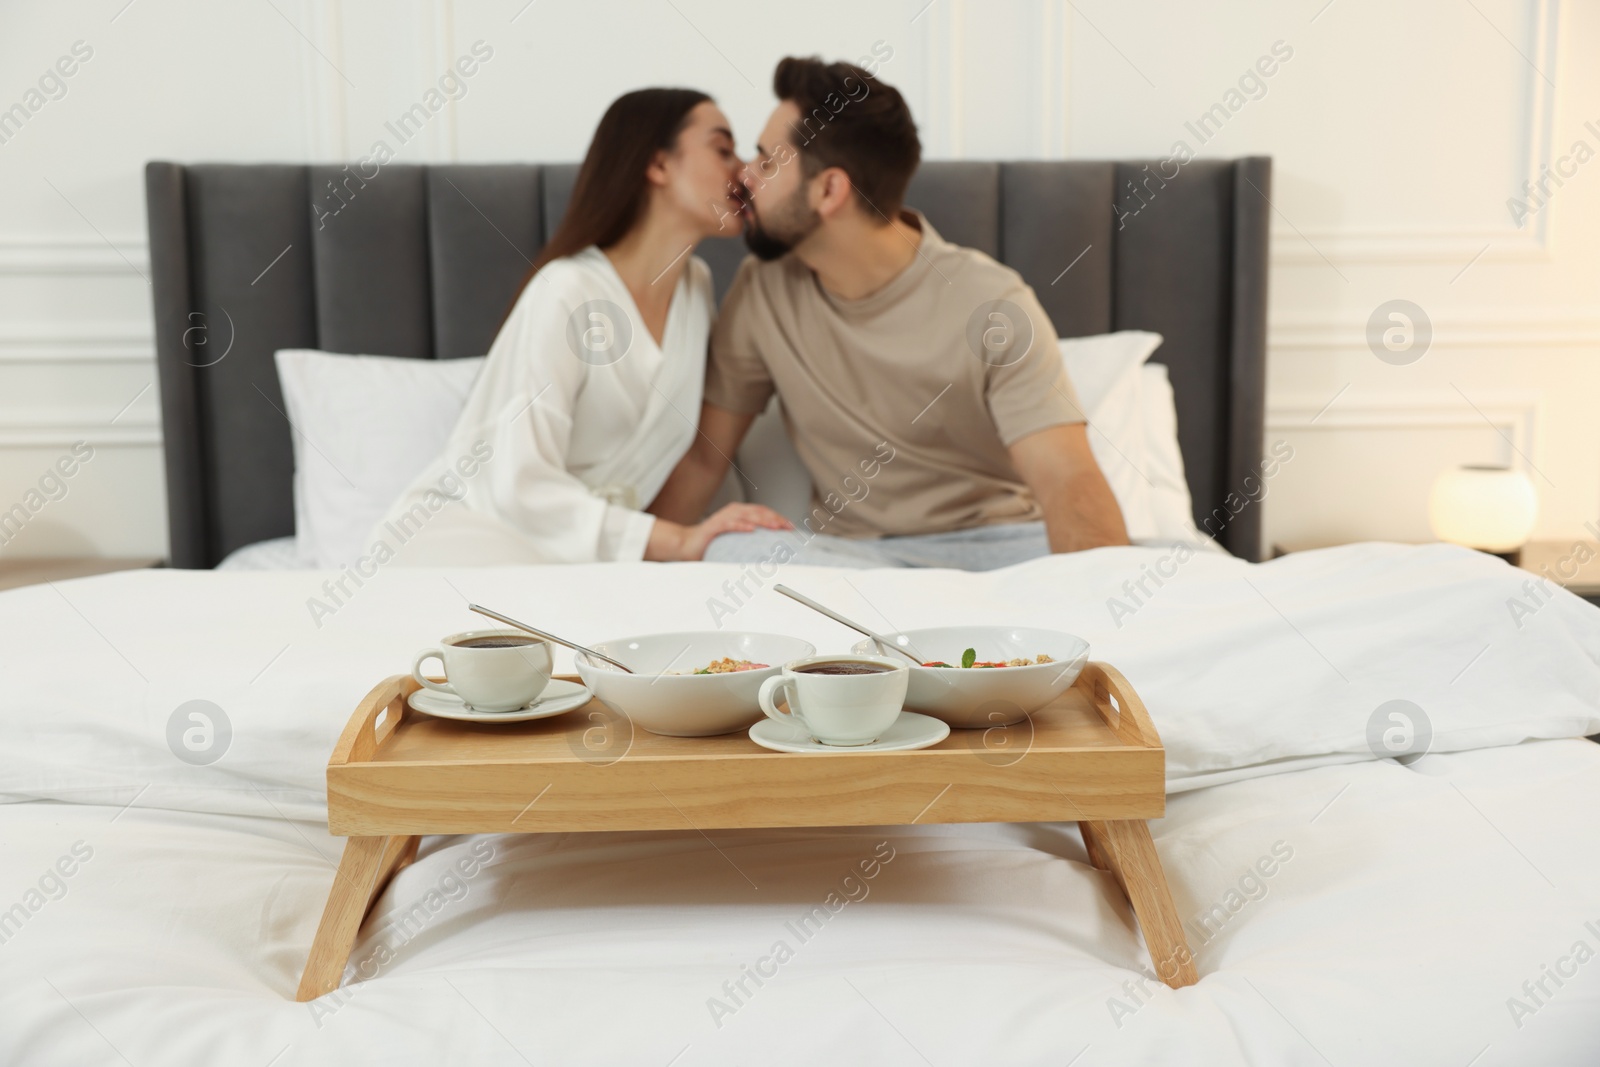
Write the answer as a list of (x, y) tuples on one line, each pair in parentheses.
[(763, 245), (792, 223)]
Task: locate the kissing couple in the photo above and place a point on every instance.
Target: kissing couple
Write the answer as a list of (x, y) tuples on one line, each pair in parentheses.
[(920, 381)]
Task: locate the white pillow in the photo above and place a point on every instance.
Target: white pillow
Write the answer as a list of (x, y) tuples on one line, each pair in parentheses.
[(1134, 431), (1170, 502), (277, 554), (1105, 370), (365, 427)]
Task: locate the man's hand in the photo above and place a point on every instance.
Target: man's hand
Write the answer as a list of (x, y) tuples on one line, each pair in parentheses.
[(695, 480), (1079, 510)]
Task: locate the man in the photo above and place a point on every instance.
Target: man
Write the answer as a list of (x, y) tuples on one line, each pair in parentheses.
[(920, 381)]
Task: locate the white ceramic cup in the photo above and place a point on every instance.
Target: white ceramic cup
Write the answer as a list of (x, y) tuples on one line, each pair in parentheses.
[(847, 710), (490, 679)]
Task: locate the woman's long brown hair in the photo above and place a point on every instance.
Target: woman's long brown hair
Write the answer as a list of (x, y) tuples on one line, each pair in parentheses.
[(610, 192)]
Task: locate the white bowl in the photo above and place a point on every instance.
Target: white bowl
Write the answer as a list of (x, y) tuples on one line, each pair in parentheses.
[(687, 705), (988, 696)]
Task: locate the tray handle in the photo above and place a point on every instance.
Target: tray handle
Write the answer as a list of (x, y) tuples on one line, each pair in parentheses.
[(1127, 718), (364, 733)]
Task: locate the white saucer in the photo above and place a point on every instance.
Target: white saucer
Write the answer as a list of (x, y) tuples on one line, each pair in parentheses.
[(909, 731), (559, 696)]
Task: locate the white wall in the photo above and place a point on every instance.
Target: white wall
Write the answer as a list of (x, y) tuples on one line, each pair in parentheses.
[(1399, 132)]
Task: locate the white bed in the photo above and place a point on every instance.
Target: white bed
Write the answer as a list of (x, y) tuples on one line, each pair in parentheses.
[(1406, 908)]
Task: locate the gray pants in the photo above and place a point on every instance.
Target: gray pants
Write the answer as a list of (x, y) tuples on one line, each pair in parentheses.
[(981, 548)]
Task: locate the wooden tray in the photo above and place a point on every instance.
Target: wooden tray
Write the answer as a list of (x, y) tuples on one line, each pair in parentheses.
[(1091, 756)]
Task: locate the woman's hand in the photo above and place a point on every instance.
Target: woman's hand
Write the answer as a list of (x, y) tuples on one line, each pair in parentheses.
[(671, 541), (731, 518)]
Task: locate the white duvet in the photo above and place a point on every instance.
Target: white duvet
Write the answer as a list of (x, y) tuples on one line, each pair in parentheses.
[(1344, 909)]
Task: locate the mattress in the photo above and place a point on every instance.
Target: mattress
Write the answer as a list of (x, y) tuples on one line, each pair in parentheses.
[(156, 904)]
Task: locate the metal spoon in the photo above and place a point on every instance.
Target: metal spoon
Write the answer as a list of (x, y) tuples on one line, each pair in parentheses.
[(907, 651), (591, 653)]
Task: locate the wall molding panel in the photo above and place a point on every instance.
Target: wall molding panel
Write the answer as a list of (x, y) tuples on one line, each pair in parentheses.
[(436, 52), (1574, 329), (75, 255), (1506, 244), (1407, 411), (1515, 414), (940, 114), (1055, 39), (1307, 248), (322, 81), (49, 342), (62, 428), (1542, 100)]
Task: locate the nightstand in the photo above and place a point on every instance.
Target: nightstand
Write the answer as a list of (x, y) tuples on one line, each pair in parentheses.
[(1284, 548), (1559, 562), (20, 572)]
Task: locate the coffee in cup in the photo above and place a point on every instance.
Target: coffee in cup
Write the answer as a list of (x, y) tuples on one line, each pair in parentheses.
[(843, 666), (847, 701), (490, 670)]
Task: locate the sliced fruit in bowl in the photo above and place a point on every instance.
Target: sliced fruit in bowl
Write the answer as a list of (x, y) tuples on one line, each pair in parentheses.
[(982, 676)]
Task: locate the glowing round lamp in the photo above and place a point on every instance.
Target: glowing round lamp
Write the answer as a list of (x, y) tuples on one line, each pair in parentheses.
[(1488, 508)]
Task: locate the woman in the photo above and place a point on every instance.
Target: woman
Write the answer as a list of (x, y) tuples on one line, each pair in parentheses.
[(590, 392)]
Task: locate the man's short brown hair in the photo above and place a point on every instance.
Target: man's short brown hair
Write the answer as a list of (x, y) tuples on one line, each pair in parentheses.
[(850, 120)]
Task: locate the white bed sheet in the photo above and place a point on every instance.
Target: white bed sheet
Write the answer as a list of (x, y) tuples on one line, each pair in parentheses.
[(1415, 902), (1247, 669)]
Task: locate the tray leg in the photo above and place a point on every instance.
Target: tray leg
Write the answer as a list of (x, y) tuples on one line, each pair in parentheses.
[(365, 868), (1091, 845), (1126, 849), (398, 853)]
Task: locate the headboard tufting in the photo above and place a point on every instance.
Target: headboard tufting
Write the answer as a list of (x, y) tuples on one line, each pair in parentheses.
[(422, 261)]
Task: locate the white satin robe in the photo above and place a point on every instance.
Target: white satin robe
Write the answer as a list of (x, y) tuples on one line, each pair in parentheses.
[(581, 424)]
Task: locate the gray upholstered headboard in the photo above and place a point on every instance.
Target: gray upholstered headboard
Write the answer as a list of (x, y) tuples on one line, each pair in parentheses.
[(424, 261)]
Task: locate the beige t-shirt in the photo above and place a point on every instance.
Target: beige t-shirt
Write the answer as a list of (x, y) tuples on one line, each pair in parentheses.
[(901, 404)]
